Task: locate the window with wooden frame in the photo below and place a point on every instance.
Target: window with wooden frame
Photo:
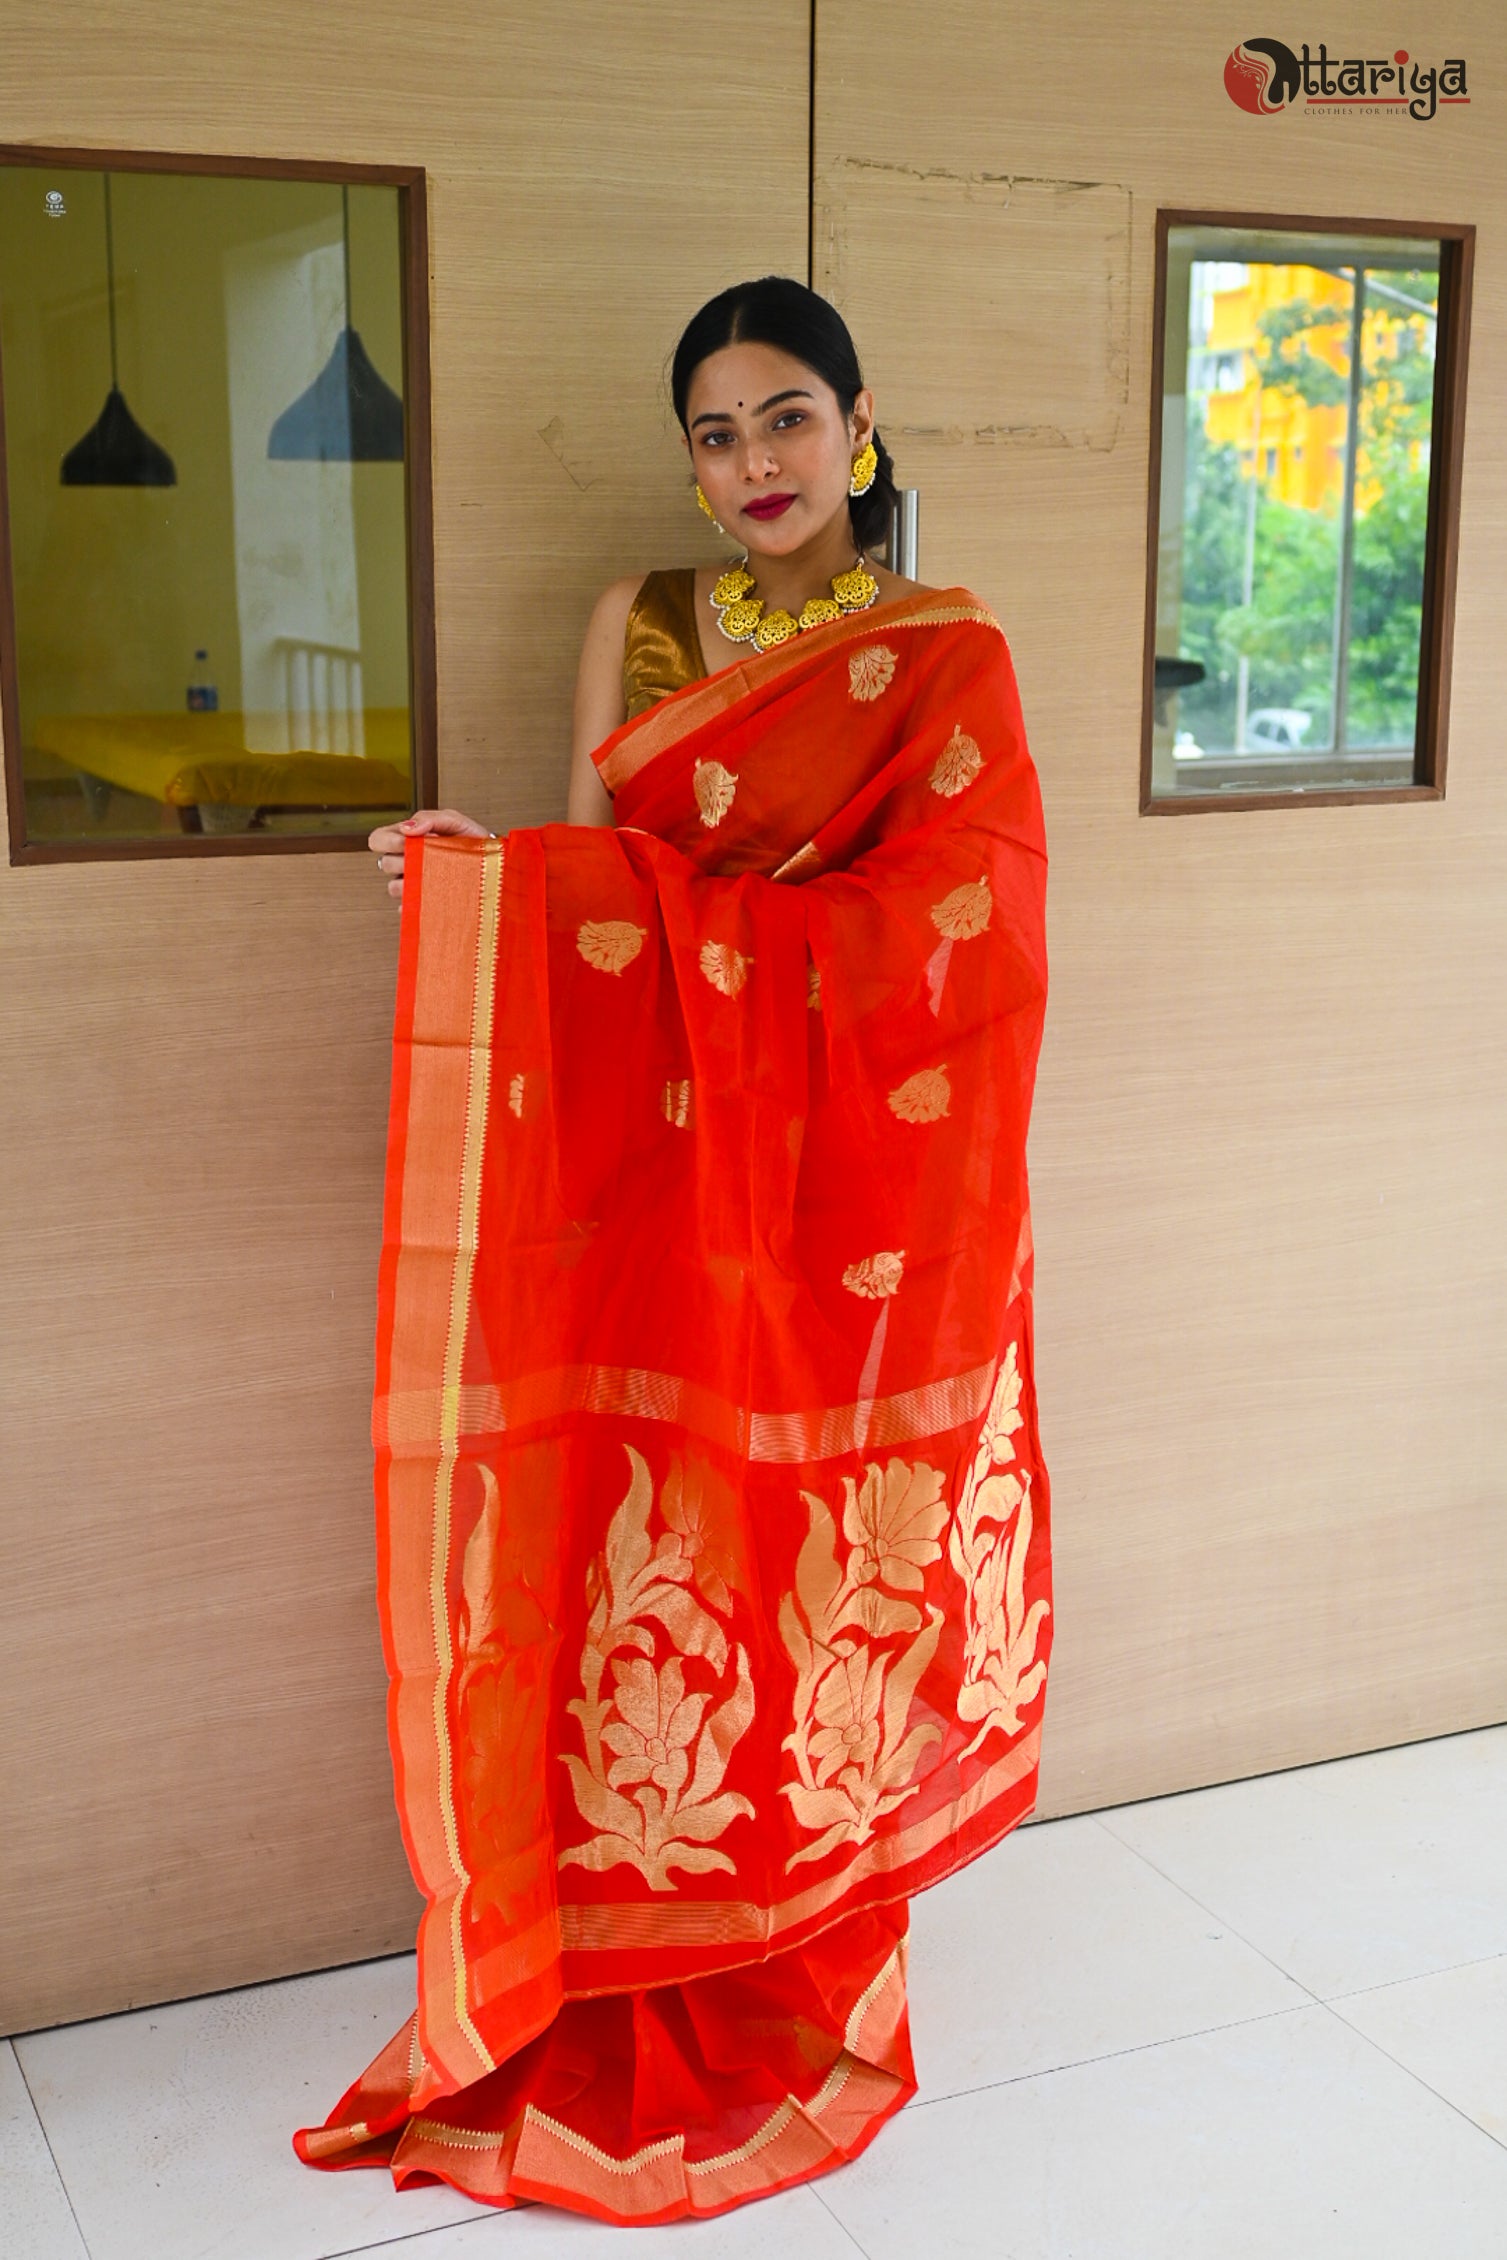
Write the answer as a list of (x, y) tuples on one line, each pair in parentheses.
[(1308, 396), (216, 578)]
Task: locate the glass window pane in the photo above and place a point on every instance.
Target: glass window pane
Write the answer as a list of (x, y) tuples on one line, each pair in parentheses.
[(1297, 412), (204, 431)]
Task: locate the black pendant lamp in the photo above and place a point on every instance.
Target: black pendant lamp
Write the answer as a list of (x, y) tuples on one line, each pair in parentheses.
[(115, 451), (349, 414)]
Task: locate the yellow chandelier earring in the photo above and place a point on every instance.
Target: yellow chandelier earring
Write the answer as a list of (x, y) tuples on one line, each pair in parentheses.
[(865, 466), (703, 504)]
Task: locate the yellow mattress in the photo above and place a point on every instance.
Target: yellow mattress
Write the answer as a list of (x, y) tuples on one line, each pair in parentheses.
[(188, 760)]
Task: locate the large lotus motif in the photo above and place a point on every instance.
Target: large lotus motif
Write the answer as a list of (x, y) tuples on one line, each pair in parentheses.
[(988, 1547), (847, 1711), (893, 1521), (860, 1651), (697, 1535), (655, 1726), (650, 1783)]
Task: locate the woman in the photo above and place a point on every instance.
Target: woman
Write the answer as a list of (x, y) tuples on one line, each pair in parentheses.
[(711, 1508)]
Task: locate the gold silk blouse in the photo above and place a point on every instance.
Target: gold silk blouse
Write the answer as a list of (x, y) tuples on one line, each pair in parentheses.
[(661, 646)]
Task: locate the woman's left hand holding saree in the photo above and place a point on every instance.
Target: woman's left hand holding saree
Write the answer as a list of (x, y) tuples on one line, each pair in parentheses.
[(599, 711), (389, 841)]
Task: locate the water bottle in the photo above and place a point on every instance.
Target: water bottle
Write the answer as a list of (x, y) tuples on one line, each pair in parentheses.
[(203, 697)]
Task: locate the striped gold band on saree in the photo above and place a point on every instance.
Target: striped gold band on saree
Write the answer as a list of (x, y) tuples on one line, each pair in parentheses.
[(410, 1420)]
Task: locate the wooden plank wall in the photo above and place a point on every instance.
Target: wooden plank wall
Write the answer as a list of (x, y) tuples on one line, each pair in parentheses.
[(1270, 1153), (191, 1131)]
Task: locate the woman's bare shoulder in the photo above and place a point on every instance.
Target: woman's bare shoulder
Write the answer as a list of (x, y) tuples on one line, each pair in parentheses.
[(893, 587), (606, 630), (609, 618), (615, 603)]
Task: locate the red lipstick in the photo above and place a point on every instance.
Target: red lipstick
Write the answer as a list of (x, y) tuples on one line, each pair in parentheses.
[(768, 506)]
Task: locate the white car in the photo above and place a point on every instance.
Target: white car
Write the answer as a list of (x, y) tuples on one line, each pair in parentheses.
[(1276, 729)]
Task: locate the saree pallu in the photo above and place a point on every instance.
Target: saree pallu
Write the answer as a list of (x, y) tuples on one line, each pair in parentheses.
[(712, 1516)]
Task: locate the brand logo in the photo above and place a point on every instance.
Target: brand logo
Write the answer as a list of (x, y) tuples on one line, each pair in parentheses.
[(1264, 76)]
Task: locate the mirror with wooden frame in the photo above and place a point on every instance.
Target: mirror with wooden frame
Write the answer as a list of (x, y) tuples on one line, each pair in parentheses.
[(215, 581), (1308, 398)]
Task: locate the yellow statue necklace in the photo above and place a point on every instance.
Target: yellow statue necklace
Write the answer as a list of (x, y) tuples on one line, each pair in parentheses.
[(742, 618)]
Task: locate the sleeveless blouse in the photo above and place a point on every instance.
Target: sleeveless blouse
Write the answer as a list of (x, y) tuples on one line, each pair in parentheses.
[(661, 647)]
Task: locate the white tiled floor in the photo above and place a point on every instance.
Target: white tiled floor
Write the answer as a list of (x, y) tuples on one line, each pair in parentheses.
[(1261, 2022)]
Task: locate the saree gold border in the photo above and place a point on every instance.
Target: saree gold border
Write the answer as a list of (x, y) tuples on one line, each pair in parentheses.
[(804, 859), (673, 718), (853, 2031), (454, 2138), (478, 1092), (651, 2179), (670, 2147), (604, 1929)]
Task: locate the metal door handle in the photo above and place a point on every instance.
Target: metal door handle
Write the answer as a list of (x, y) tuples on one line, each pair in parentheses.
[(904, 529)]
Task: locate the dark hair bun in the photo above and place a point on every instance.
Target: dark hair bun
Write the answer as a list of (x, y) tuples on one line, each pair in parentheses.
[(781, 312)]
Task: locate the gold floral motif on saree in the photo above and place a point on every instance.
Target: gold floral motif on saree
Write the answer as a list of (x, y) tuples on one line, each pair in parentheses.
[(714, 788), (725, 967), (656, 1749), (876, 1276), (610, 943), (859, 1647), (963, 913), (870, 672), (676, 1102), (923, 1097), (814, 987), (958, 763), (516, 1090), (987, 1546)]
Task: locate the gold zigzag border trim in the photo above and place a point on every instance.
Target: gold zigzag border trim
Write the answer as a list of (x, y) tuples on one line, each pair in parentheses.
[(853, 2030), (454, 2137)]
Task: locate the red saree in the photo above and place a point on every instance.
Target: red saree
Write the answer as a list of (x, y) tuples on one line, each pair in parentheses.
[(712, 1518)]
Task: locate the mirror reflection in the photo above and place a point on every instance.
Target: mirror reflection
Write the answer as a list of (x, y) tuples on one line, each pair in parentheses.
[(1297, 420), (204, 440)]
